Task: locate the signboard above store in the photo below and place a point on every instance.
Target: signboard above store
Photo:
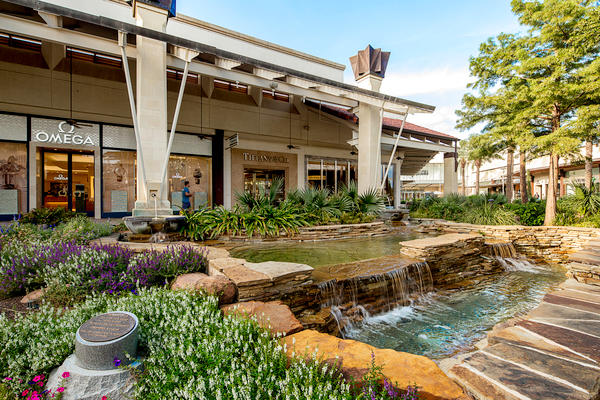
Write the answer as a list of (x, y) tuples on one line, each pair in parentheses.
[(61, 132)]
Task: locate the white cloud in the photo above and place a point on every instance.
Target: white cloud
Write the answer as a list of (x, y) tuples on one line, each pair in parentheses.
[(443, 119), (431, 81)]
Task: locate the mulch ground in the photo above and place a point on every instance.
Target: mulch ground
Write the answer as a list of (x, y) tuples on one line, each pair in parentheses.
[(13, 306)]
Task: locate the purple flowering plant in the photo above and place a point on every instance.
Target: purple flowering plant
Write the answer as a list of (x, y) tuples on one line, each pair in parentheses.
[(376, 386)]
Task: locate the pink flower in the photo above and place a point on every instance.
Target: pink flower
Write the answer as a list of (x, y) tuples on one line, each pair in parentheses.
[(25, 392), (104, 398), (8, 379), (38, 378), (60, 389), (41, 383), (66, 374)]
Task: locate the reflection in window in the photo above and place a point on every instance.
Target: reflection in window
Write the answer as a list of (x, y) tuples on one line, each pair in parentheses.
[(195, 169), (388, 183), (258, 180), (119, 180), (332, 174), (13, 178)]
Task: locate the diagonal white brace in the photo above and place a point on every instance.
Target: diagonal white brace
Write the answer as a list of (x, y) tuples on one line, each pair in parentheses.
[(187, 56), (136, 129), (387, 170)]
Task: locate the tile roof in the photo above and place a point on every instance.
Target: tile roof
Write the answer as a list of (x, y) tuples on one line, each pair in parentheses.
[(388, 123)]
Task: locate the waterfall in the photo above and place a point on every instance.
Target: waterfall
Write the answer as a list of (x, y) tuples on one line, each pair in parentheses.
[(507, 256), (354, 299)]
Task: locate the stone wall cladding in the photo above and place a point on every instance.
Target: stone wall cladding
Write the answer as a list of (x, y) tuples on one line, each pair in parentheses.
[(541, 243), (453, 258), (551, 244), (321, 232)]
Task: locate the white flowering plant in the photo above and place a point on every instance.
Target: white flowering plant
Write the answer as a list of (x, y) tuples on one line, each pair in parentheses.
[(190, 350)]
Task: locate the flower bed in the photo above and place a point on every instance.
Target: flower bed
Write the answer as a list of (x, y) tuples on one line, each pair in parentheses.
[(62, 260)]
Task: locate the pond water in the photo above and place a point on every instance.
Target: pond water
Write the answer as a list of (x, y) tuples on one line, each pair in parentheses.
[(442, 324), (327, 252)]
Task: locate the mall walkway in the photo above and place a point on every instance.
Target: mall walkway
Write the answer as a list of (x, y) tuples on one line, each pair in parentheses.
[(552, 353)]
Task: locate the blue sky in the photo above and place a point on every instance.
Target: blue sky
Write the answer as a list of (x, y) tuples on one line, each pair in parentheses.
[(430, 40)]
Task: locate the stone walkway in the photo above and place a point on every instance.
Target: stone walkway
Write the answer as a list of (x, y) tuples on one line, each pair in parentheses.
[(585, 264), (552, 353)]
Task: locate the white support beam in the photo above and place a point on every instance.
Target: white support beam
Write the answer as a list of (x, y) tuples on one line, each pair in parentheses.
[(254, 80), (43, 32), (208, 84), (298, 104), (52, 20), (226, 63), (255, 93), (409, 144), (268, 74)]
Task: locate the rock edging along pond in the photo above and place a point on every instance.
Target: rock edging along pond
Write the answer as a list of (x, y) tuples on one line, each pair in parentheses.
[(540, 243)]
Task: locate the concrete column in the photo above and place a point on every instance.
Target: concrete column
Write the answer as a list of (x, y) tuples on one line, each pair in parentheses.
[(369, 130), (397, 182), (450, 174), (151, 96)]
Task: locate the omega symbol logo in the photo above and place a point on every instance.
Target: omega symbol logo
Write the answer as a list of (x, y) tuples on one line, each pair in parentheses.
[(61, 130)]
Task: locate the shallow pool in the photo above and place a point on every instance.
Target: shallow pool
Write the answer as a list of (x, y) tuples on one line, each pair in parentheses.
[(442, 324), (328, 252)]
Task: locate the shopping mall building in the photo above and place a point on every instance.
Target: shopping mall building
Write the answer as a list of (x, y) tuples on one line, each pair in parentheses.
[(223, 110)]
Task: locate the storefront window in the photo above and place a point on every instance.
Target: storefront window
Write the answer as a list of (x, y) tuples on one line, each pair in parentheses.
[(332, 174), (195, 169), (119, 185), (13, 178), (260, 180)]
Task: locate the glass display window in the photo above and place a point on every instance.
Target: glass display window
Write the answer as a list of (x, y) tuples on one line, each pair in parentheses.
[(13, 178), (195, 169), (119, 183)]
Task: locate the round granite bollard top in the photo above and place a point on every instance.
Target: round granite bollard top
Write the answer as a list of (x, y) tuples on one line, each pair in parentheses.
[(106, 340)]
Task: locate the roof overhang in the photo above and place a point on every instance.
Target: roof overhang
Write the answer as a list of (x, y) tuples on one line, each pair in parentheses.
[(314, 86)]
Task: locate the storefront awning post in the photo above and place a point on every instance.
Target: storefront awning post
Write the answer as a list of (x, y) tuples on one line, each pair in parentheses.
[(387, 170), (136, 130)]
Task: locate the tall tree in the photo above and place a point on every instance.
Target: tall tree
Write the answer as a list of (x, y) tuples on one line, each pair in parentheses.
[(463, 156), (535, 81), (480, 149)]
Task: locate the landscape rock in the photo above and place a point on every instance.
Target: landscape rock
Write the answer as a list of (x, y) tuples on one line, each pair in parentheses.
[(354, 359), (34, 297), (187, 281), (273, 315), (85, 384), (220, 286)]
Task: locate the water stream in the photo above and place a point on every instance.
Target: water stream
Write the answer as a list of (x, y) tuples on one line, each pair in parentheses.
[(445, 323)]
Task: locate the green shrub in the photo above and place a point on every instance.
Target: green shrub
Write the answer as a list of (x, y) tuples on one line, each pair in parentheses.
[(190, 350), (489, 214), (47, 216), (531, 213)]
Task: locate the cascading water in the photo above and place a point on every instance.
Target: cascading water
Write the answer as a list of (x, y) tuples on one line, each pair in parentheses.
[(507, 256), (351, 299)]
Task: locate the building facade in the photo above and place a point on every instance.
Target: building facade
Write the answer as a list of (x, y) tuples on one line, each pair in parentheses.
[(83, 130)]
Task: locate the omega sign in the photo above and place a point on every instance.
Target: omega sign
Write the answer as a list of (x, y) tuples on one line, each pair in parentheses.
[(63, 136)]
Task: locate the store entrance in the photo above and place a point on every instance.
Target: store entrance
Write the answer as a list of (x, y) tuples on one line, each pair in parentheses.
[(257, 180), (68, 180)]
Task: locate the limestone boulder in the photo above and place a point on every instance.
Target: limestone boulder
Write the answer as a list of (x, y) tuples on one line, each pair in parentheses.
[(273, 315), (34, 297), (187, 281), (219, 286), (354, 358), (213, 253)]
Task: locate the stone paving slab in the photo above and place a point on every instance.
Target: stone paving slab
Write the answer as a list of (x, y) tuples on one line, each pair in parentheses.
[(518, 335), (580, 295), (582, 287), (551, 353), (278, 270), (576, 373), (583, 305), (577, 341), (525, 382), (553, 310), (438, 241)]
